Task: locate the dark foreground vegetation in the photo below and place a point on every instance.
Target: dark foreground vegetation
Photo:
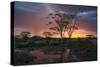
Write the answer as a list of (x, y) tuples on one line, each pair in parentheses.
[(39, 50)]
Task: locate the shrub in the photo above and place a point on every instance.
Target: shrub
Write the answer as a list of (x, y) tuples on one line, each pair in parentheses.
[(21, 58)]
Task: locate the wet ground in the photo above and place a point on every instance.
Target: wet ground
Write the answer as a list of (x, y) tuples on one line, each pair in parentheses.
[(50, 57)]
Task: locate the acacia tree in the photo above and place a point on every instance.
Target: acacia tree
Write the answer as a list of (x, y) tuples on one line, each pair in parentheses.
[(64, 23), (60, 23), (25, 35), (90, 36), (71, 28), (47, 36)]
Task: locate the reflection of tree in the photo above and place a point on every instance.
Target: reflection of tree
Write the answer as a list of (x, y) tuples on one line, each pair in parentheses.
[(25, 35)]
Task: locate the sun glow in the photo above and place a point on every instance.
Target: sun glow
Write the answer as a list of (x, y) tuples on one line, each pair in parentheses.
[(76, 34)]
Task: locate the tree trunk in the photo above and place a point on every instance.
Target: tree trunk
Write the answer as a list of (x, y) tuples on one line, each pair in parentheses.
[(69, 35), (61, 35)]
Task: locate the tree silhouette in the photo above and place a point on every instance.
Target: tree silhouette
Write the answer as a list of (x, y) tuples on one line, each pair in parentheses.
[(72, 26), (60, 21), (47, 36), (90, 36), (25, 35), (64, 23)]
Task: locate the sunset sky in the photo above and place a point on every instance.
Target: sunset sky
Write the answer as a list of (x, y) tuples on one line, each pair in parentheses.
[(32, 17)]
